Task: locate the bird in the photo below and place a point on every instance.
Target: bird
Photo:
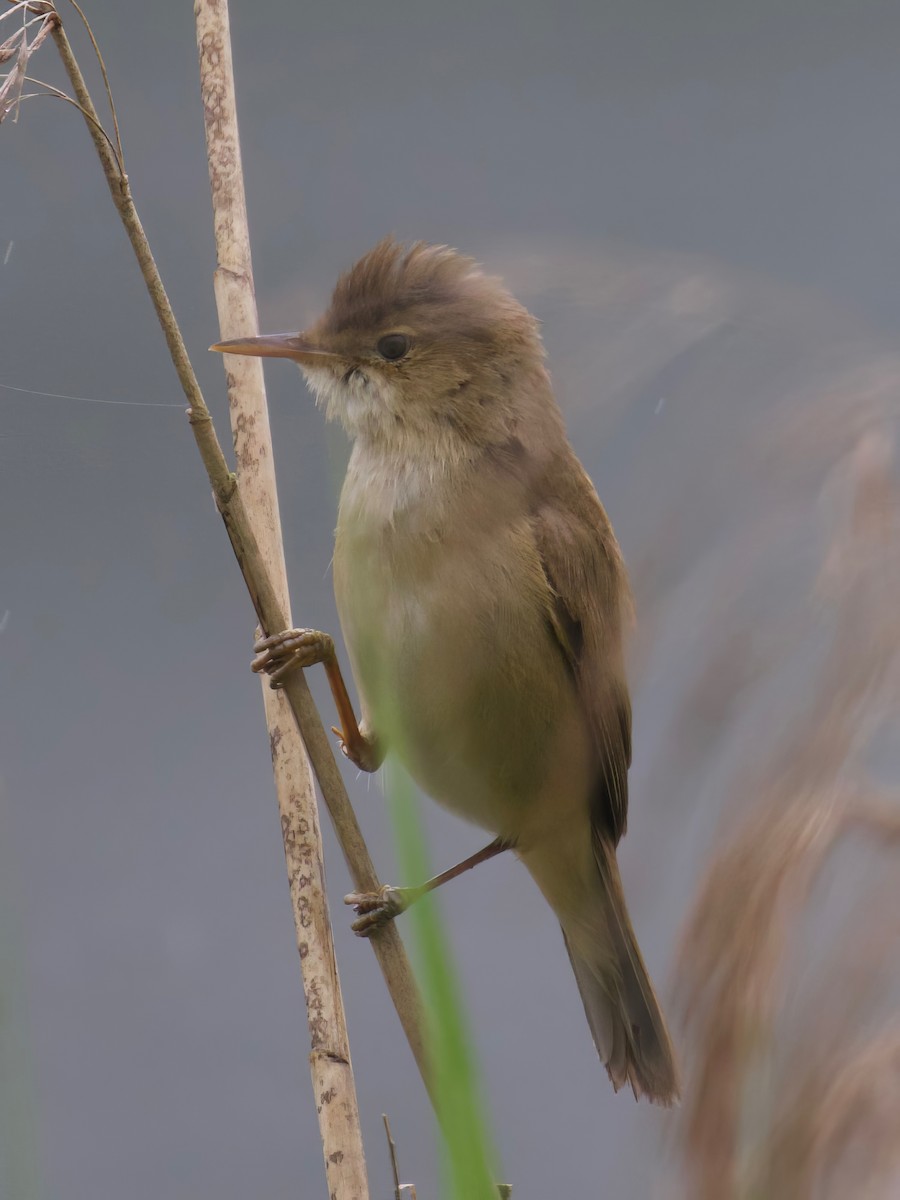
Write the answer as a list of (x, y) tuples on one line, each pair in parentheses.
[(484, 603)]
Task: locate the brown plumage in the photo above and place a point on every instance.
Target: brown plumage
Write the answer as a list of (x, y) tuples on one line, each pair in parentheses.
[(482, 596)]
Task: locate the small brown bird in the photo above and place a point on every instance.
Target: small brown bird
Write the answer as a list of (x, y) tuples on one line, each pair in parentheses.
[(482, 596)]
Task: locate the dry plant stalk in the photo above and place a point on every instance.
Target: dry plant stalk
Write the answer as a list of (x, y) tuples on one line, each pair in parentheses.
[(810, 794), (267, 598), (332, 1073)]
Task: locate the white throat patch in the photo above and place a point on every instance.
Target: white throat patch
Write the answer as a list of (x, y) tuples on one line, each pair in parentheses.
[(364, 403)]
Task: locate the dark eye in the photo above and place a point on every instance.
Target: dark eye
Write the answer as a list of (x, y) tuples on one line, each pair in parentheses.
[(393, 346)]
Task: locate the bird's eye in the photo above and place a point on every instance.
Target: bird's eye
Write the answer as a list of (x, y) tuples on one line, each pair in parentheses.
[(393, 346)]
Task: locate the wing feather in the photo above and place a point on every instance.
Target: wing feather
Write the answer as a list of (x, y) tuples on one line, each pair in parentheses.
[(583, 567)]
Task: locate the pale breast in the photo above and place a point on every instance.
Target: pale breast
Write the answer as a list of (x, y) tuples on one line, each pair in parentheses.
[(454, 658)]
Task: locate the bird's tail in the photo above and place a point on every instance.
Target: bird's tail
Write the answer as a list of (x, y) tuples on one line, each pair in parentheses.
[(623, 1012)]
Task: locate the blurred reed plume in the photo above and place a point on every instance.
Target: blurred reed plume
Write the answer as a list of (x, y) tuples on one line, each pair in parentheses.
[(780, 1104), (761, 515)]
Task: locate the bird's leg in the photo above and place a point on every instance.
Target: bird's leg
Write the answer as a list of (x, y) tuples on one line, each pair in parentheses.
[(284, 652), (375, 909)]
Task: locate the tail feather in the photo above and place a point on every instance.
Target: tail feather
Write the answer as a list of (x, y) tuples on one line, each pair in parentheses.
[(624, 1015)]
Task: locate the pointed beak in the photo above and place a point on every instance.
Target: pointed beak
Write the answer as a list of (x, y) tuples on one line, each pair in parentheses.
[(276, 345)]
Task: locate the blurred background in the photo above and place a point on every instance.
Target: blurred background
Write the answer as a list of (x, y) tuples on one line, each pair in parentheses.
[(700, 203)]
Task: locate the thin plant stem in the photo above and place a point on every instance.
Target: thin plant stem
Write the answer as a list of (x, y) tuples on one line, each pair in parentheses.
[(109, 95), (387, 944), (55, 93), (392, 1150)]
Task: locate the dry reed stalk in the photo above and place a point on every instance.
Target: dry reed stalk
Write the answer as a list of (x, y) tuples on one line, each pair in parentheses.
[(387, 944), (332, 1073)]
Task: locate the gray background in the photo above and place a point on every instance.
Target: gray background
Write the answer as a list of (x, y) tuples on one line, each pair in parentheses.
[(700, 201)]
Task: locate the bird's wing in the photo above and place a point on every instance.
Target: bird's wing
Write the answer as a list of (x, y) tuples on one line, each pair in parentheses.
[(589, 596)]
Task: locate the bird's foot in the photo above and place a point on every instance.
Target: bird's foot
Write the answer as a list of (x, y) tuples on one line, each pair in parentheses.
[(284, 652), (375, 909), (363, 749), (291, 649)]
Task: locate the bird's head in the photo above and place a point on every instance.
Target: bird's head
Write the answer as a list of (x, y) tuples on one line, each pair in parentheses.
[(419, 351)]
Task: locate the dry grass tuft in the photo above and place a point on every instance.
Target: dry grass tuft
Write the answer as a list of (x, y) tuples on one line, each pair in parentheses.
[(37, 21)]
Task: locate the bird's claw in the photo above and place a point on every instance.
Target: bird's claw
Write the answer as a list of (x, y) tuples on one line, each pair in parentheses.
[(284, 652), (375, 909)]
